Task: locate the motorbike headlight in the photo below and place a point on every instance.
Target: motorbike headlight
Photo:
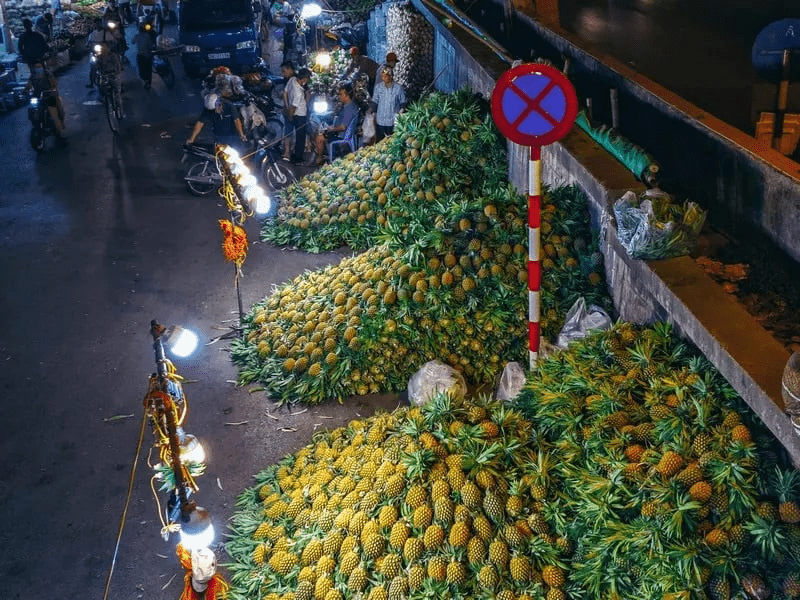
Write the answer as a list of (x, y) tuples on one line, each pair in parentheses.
[(34, 102), (98, 48), (191, 48), (92, 58), (246, 44), (320, 106)]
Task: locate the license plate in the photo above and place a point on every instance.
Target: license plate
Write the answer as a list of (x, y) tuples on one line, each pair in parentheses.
[(219, 55)]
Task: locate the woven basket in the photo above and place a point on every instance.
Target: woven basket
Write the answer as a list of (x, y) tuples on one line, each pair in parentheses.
[(790, 385)]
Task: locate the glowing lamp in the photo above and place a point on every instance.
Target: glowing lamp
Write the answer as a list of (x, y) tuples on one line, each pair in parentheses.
[(180, 342), (320, 105), (323, 59), (310, 10), (192, 450), (261, 204), (246, 180), (197, 530)]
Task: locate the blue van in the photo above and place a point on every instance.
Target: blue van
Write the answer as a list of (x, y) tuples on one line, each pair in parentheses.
[(219, 33)]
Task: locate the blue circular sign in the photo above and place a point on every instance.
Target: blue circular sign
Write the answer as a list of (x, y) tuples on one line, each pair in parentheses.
[(534, 104), (768, 47)]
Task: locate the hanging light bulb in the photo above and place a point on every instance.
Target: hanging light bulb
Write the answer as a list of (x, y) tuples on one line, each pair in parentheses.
[(310, 10), (323, 60), (192, 450), (197, 530), (231, 153), (260, 204), (246, 180), (180, 342)]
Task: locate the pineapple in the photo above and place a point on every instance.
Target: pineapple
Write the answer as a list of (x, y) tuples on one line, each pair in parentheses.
[(787, 486), (669, 464), (456, 573), (487, 577), (459, 535), (719, 588), (399, 534), (553, 576), (476, 551), (434, 537), (374, 546), (494, 505), (357, 581), (416, 576), (498, 554), (437, 568), (520, 568), (413, 549), (471, 495)]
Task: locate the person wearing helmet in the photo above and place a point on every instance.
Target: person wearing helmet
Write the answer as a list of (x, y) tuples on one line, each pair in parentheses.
[(223, 119), (145, 40), (391, 63), (359, 64)]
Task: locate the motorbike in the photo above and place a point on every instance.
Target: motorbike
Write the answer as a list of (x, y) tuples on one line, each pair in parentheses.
[(163, 67), (204, 176), (42, 125)]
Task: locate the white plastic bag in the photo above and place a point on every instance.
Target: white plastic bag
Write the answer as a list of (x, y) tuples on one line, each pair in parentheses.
[(511, 382), (580, 320), (368, 128), (434, 377)]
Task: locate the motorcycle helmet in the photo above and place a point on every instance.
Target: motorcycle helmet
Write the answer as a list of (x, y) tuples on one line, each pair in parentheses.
[(211, 101)]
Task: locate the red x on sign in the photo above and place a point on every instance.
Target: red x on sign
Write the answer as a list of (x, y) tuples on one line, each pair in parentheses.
[(534, 105)]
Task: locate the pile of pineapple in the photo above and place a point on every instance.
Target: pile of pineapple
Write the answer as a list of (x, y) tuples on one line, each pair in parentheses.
[(627, 468), (457, 294), (444, 276), (670, 486), (445, 151), (429, 502)]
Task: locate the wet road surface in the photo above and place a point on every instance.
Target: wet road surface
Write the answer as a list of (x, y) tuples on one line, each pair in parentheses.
[(98, 238)]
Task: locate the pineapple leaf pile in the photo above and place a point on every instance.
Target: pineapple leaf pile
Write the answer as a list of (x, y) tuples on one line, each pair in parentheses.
[(425, 502), (454, 290), (628, 468), (665, 485), (445, 152)]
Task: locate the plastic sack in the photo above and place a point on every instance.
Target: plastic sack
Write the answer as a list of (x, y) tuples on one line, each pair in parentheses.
[(434, 377), (790, 385), (580, 320), (368, 128), (511, 382), (652, 226)]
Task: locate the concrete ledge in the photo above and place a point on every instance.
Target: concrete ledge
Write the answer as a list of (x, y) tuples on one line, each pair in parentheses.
[(676, 290)]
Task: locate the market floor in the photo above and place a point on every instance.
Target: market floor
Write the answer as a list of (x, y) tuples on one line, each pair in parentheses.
[(98, 238)]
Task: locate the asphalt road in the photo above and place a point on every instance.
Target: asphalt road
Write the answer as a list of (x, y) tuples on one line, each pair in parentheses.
[(96, 239)]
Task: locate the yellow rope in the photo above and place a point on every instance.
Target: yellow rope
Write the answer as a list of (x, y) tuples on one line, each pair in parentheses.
[(127, 503)]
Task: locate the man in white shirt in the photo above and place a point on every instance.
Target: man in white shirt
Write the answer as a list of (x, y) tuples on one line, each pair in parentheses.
[(389, 99), (297, 110)]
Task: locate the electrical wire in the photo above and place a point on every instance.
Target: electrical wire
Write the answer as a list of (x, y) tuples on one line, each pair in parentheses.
[(127, 503)]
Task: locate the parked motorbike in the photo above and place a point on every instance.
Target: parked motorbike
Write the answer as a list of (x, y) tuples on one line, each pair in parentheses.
[(203, 177)]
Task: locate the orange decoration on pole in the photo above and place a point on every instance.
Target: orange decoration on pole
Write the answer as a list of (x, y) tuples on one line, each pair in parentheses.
[(234, 246), (217, 586)]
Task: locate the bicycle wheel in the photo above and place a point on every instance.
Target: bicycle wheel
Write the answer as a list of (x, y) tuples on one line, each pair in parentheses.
[(200, 178), (277, 175), (169, 74), (112, 114)]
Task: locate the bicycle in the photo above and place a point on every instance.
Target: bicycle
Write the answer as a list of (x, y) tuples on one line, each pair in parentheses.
[(112, 99)]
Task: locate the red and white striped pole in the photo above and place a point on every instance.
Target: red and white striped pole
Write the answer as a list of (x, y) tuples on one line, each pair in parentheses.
[(534, 243)]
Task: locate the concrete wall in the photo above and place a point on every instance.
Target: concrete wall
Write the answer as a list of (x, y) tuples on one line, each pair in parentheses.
[(745, 185)]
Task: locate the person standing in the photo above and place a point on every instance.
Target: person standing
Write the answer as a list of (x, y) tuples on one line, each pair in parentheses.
[(389, 99), (391, 62), (44, 25), (298, 112), (145, 40), (31, 45)]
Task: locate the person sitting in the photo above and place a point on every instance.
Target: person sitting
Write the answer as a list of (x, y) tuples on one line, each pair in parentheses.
[(31, 45), (224, 120), (345, 116), (44, 86)]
